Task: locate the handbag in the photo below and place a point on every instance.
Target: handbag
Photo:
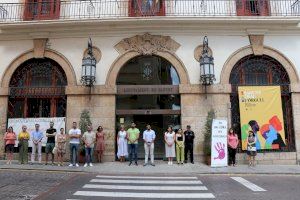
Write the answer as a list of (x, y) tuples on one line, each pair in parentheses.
[(251, 148), (19, 144), (54, 151)]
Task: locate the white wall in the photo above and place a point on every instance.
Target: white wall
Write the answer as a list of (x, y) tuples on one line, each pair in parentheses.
[(222, 47)]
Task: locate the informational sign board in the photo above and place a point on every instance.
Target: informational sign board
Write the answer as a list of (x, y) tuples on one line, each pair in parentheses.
[(219, 143), (261, 112), (17, 123)]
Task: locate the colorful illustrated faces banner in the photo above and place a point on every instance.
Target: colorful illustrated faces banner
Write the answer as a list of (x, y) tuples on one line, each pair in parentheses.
[(261, 112), (219, 143), (17, 123)]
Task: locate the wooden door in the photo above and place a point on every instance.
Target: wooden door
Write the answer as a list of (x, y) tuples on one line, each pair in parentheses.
[(41, 9), (252, 7), (143, 8)]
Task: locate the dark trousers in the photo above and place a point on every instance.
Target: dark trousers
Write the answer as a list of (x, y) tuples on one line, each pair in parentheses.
[(88, 155), (132, 151), (74, 153), (189, 148), (231, 155)]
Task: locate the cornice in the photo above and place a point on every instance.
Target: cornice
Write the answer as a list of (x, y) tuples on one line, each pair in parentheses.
[(174, 25)]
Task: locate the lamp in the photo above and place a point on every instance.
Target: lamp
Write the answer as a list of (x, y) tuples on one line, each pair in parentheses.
[(88, 73), (207, 73)]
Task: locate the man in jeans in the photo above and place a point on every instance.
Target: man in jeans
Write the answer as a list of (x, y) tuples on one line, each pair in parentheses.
[(149, 137), (74, 135), (133, 137), (50, 134), (36, 137), (89, 139)]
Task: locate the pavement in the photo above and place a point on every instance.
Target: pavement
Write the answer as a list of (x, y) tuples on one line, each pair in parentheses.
[(161, 168)]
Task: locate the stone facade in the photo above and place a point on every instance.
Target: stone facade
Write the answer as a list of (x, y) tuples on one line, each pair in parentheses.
[(179, 51)]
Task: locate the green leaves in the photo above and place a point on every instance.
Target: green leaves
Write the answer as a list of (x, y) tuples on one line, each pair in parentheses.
[(207, 132)]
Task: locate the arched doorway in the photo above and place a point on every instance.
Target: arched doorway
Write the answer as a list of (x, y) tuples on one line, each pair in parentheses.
[(148, 92), (37, 89), (263, 71)]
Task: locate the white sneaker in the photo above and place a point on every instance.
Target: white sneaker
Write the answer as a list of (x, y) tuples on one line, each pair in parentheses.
[(168, 162), (85, 165), (171, 163), (70, 165), (91, 165), (77, 165)]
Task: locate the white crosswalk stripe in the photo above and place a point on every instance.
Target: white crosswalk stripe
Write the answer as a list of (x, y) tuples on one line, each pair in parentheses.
[(146, 181), (248, 184), (144, 187)]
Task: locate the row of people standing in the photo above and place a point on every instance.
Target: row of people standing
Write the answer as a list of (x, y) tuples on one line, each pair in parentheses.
[(56, 144), (127, 142)]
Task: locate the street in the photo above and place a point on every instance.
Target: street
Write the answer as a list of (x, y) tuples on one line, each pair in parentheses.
[(25, 185)]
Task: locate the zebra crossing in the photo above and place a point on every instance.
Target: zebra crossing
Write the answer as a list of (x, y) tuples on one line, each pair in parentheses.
[(143, 187)]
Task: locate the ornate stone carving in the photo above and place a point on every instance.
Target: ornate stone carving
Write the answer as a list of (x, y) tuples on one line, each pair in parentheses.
[(198, 52), (257, 44), (96, 52), (147, 44)]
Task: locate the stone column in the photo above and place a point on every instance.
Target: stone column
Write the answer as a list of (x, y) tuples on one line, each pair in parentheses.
[(3, 120), (296, 113), (100, 102)]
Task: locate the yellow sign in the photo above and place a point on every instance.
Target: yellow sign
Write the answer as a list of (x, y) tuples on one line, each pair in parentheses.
[(261, 112)]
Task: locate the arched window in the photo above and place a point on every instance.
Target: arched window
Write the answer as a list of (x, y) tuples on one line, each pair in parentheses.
[(37, 89), (262, 71)]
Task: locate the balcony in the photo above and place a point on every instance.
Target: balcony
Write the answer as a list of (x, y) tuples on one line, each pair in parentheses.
[(34, 10)]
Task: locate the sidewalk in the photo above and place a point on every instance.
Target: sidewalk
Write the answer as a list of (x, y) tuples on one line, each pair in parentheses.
[(160, 168)]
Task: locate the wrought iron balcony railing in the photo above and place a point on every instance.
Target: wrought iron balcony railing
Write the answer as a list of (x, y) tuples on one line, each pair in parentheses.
[(109, 9)]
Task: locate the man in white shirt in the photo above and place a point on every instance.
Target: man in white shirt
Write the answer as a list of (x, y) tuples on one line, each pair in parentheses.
[(149, 137), (74, 135)]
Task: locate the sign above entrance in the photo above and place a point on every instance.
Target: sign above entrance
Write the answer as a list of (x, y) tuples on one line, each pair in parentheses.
[(147, 89)]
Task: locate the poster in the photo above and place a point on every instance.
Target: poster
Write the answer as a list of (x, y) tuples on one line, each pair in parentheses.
[(17, 123), (261, 112), (219, 143)]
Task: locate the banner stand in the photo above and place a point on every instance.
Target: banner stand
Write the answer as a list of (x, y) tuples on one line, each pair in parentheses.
[(219, 157)]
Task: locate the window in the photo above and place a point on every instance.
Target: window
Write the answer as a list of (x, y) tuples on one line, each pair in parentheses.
[(140, 8), (252, 7), (257, 71), (41, 9), (37, 89)]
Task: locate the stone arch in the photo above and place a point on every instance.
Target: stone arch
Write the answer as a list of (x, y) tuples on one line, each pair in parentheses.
[(51, 54), (245, 51), (124, 58)]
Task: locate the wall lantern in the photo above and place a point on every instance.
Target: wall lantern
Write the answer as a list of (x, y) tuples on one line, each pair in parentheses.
[(88, 74), (207, 73)]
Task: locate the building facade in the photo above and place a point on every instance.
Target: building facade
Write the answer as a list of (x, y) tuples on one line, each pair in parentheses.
[(147, 54)]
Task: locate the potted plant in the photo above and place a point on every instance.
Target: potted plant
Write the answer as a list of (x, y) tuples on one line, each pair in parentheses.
[(207, 136), (85, 120)]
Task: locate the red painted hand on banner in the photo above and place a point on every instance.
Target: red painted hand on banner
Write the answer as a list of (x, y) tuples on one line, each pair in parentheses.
[(220, 148)]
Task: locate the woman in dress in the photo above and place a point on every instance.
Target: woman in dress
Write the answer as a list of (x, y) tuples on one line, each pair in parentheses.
[(251, 148), (10, 140), (180, 146), (61, 140), (100, 143), (170, 145), (232, 140), (122, 144)]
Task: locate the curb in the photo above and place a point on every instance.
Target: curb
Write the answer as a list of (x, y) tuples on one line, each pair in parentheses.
[(143, 173)]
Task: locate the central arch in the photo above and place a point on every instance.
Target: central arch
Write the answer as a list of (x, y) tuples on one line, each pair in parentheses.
[(148, 93)]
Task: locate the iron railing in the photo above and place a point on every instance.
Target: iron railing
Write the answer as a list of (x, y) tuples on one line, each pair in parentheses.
[(109, 9), (36, 92)]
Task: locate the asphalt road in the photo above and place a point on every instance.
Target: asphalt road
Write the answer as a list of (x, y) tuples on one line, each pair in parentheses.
[(56, 186)]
